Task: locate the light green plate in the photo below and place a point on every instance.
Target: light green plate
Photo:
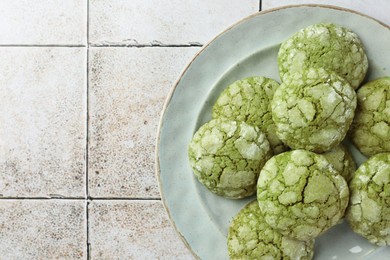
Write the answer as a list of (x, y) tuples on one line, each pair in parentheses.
[(246, 49)]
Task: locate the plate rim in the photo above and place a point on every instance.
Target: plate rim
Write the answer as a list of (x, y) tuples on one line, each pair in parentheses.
[(188, 65)]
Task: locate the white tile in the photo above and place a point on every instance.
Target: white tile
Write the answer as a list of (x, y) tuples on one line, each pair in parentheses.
[(42, 121), (163, 22), (43, 22), (128, 87), (43, 229), (377, 9), (133, 230)]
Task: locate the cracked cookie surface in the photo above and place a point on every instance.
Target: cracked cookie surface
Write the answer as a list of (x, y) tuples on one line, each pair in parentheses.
[(313, 110), (250, 237), (370, 129), (369, 211), (301, 194), (227, 156), (329, 46), (342, 161), (249, 100)]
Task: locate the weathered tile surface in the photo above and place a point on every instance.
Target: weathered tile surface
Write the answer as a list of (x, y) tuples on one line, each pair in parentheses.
[(42, 121), (133, 230), (378, 9), (43, 22), (42, 229), (128, 87), (163, 22)]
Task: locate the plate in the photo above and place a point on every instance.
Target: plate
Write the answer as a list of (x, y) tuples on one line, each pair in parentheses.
[(246, 49)]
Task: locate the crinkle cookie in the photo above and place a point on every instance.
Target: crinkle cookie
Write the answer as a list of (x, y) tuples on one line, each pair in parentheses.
[(249, 100), (369, 211), (227, 156), (250, 237), (329, 46), (313, 110), (301, 194), (370, 129), (342, 161)]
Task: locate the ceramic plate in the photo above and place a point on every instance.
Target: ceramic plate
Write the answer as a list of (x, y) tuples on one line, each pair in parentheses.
[(246, 49)]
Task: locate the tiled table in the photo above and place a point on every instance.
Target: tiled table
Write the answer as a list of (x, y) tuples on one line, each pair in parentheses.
[(82, 84)]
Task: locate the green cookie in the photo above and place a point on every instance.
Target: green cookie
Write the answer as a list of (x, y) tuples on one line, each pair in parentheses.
[(250, 237), (227, 156), (249, 100), (370, 129), (313, 110), (301, 194), (369, 211), (328, 46)]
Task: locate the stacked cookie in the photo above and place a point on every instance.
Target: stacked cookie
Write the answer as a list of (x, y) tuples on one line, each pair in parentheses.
[(228, 152), (245, 148)]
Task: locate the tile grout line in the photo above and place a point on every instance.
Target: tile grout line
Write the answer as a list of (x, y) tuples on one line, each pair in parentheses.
[(123, 198), (42, 198), (44, 45), (100, 45), (118, 45), (87, 143), (87, 111), (89, 199)]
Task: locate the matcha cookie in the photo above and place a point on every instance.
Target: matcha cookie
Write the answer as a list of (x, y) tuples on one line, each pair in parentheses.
[(249, 100), (250, 237), (227, 156), (328, 46), (342, 161), (301, 195), (370, 129), (369, 211), (313, 110)]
